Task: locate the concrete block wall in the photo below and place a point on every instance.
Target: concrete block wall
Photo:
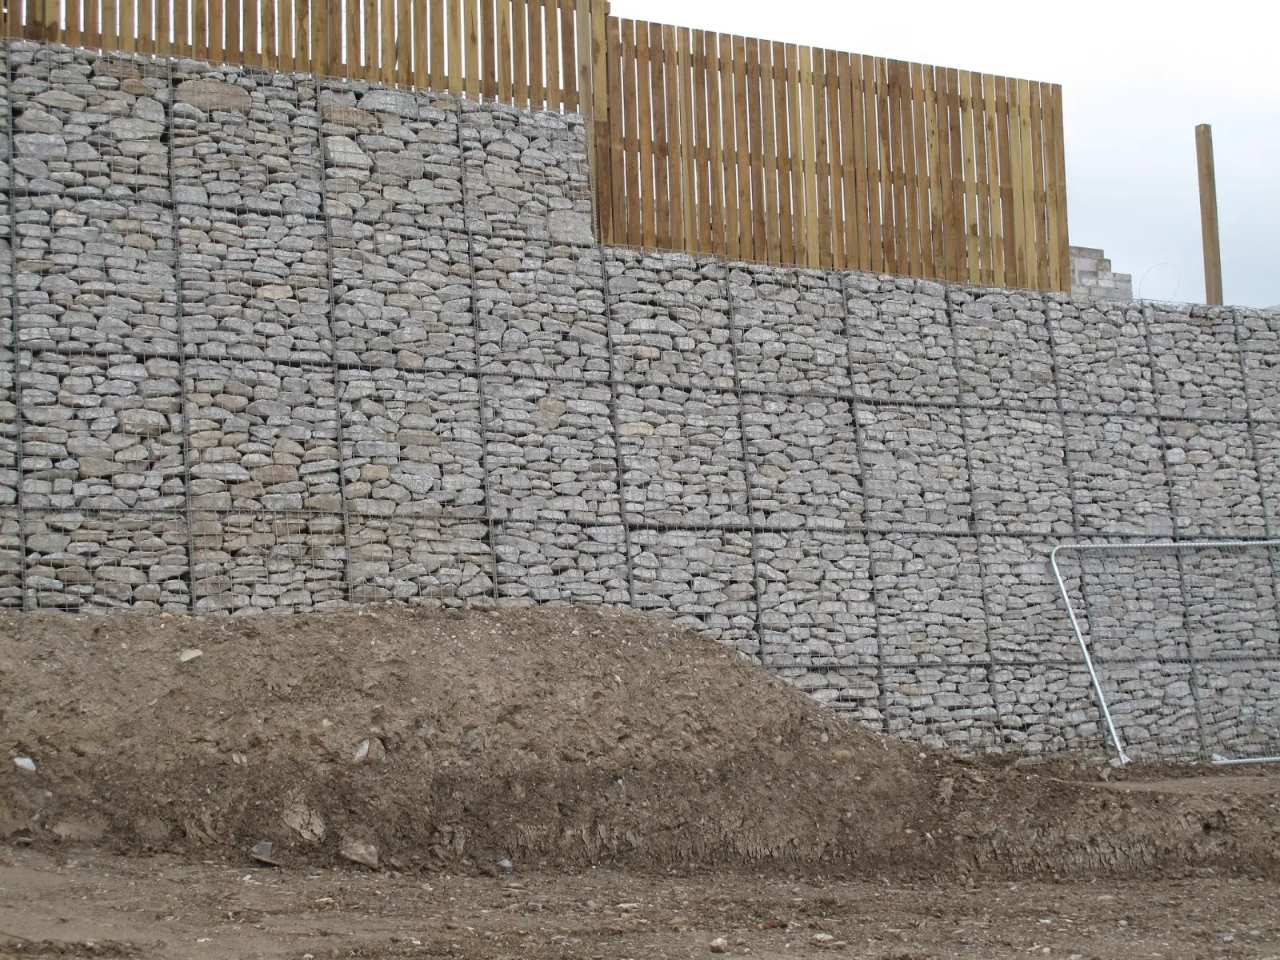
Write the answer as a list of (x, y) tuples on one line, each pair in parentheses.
[(273, 344)]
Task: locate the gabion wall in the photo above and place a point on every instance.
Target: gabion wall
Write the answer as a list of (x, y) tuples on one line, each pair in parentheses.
[(277, 344)]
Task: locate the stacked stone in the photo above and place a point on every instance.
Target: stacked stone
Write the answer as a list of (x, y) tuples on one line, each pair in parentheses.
[(1260, 353), (682, 456), (436, 559), (803, 452), (1118, 475), (94, 243), (1102, 358), (246, 180), (254, 562), (1231, 602), (816, 609), (1046, 708), (526, 174), (551, 452), (1153, 706), (852, 691), (916, 474), (131, 561), (12, 560), (101, 432), (1003, 350), (789, 329), (942, 706), (1197, 362), (1214, 479), (671, 313), (401, 260), (262, 436), (1026, 620), (1240, 716), (900, 342), (929, 598), (562, 562), (411, 444), (701, 578), (1020, 479), (541, 309), (1135, 610)]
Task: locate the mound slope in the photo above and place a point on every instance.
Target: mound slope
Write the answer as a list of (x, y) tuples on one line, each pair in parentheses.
[(552, 736)]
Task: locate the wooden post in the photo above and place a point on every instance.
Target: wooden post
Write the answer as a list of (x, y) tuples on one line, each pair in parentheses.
[(1209, 216)]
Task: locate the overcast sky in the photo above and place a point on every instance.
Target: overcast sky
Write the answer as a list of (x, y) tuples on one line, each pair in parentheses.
[(1137, 77)]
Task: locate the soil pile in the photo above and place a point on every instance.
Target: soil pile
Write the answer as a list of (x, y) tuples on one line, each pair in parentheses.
[(553, 736)]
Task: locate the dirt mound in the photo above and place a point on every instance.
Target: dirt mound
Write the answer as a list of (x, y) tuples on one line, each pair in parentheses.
[(546, 736)]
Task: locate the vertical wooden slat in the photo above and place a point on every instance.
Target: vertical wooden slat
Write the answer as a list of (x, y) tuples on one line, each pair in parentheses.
[(404, 43), (822, 168), (128, 26), (617, 169), (920, 139), (905, 167), (1059, 208), (779, 86), (647, 176), (978, 120), (661, 135), (418, 49), (688, 138), (235, 30), (715, 154), (942, 118), (872, 254), (520, 51), (488, 50), (361, 48), (1008, 179), (533, 37), (600, 35), (729, 149), (967, 159), (863, 127), (551, 55), (269, 49), (1018, 233), (701, 132), (502, 51), (73, 35), (631, 118), (304, 34), (216, 45), (1028, 181), (848, 161), (889, 213), (760, 224), (746, 246), (387, 58), (939, 186), (835, 150), (675, 135), (471, 36), (770, 206), (251, 14), (454, 68), (569, 53), (181, 18), (582, 30), (437, 32), (1040, 202), (958, 268), (995, 236)]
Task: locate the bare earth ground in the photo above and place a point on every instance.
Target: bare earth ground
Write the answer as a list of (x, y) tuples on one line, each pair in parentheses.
[(650, 791)]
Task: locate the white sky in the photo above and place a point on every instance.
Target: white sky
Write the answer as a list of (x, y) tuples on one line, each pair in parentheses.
[(1137, 77)]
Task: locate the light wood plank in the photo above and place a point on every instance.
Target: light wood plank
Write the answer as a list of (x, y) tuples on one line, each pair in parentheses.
[(715, 139), (946, 175), (537, 79), (72, 34), (471, 43), (569, 51), (889, 214), (729, 149), (835, 227), (634, 232), (905, 168), (760, 203), (972, 258), (551, 55), (1059, 208), (1016, 168), (863, 127), (661, 136), (702, 128), (848, 162), (996, 234), (959, 267), (982, 192), (617, 141), (418, 48), (675, 139), (1008, 177), (488, 49), (688, 139), (920, 139), (520, 49), (1038, 196), (1028, 182), (128, 26), (822, 165), (503, 51), (770, 207), (746, 245), (146, 25), (781, 91), (437, 33), (183, 14), (644, 91), (455, 67), (600, 33), (582, 33), (935, 115), (216, 45)]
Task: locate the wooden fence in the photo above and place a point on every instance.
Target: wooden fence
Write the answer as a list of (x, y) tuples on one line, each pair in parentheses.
[(703, 142)]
